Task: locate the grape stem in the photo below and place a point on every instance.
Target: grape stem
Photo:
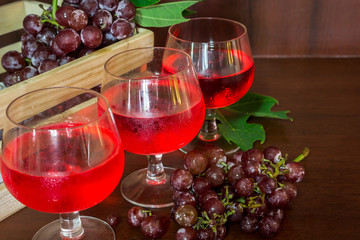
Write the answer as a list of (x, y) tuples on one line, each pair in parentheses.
[(206, 222), (302, 155), (50, 16), (54, 8)]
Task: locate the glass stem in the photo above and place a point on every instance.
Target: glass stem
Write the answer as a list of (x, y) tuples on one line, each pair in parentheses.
[(209, 130), (155, 172), (70, 225)]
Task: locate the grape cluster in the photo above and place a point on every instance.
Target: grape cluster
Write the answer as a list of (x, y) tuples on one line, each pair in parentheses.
[(152, 226), (73, 30), (251, 189)]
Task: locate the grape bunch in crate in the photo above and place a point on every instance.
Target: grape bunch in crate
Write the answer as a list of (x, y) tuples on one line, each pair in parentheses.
[(63, 33)]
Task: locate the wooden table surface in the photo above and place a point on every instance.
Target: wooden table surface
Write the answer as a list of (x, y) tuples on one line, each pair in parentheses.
[(323, 96)]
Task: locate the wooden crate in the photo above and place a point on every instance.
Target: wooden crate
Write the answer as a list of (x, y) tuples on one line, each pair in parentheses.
[(86, 72)]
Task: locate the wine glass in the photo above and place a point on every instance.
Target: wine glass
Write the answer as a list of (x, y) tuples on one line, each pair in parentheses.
[(223, 61), (62, 153), (158, 107)]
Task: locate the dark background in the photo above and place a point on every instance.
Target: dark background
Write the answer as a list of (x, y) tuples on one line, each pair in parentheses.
[(280, 28)]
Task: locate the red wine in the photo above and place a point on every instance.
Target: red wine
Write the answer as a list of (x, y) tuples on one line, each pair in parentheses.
[(222, 86), (55, 174), (155, 125)]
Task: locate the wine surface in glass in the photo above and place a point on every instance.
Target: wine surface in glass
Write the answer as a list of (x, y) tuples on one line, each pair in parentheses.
[(67, 183), (226, 78), (155, 128)]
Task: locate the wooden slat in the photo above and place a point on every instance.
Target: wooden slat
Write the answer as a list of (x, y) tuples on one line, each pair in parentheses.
[(86, 72), (11, 15), (8, 203)]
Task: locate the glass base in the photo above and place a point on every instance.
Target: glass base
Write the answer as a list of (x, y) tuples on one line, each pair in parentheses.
[(138, 191), (220, 142), (94, 229)]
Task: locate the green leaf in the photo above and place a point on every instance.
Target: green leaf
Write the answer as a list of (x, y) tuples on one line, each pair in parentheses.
[(188, 12), (235, 129), (234, 124), (258, 106), (144, 3), (162, 15)]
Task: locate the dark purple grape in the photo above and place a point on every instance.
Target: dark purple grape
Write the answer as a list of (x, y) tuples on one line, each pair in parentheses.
[(65, 59), (181, 179), (205, 234), (47, 65), (237, 157), (272, 154), (251, 168), (277, 213), (13, 61), (201, 184), (77, 20), (46, 35), (216, 176), (231, 162), (84, 51), (215, 155), (235, 173), (278, 198), (108, 39), (214, 207), (220, 233), (121, 29), (103, 20), (269, 226), (65, 3), (72, 1), (259, 177), (237, 212), (126, 10), (281, 178), (41, 54), (68, 40), (108, 5), (28, 72), (56, 50), (186, 233), (256, 208), (267, 184), (295, 172), (186, 215), (249, 223), (29, 47), (89, 6), (153, 227), (185, 198), (91, 36), (195, 161), (62, 15), (206, 195), (176, 194), (244, 187), (26, 36), (290, 188), (32, 24), (135, 216), (252, 155), (113, 219), (11, 78)]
